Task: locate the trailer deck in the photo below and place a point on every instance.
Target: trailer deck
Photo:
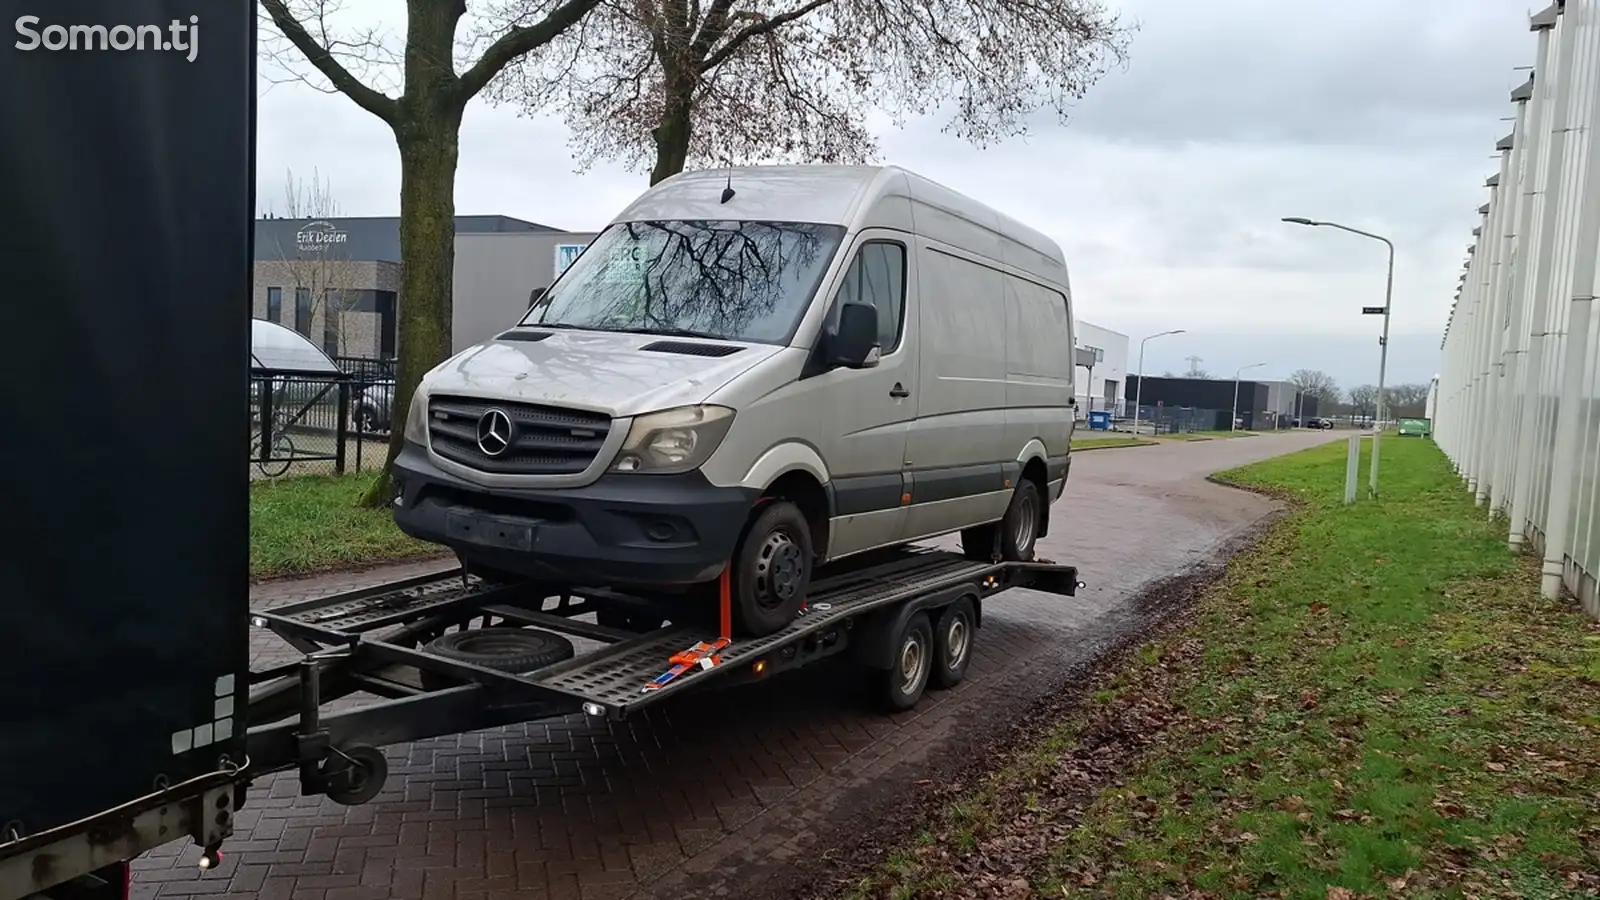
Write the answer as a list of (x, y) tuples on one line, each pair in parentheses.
[(374, 641)]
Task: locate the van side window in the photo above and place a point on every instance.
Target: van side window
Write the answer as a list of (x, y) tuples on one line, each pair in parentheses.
[(877, 276)]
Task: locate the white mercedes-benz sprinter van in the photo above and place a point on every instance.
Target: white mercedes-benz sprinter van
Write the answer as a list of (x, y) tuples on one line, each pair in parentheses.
[(768, 367)]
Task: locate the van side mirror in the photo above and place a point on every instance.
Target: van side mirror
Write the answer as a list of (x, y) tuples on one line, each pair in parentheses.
[(855, 344), (534, 295)]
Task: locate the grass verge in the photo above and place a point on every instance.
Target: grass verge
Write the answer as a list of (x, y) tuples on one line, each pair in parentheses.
[(311, 524), (1109, 441), (1373, 702)]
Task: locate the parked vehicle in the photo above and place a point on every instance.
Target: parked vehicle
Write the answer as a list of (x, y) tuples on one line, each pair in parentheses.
[(775, 366), (372, 408)]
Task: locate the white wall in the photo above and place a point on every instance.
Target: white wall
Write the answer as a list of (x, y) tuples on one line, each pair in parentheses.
[(1112, 368), (1518, 404)]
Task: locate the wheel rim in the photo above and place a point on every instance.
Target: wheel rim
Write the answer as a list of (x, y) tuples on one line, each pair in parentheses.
[(1027, 522), (780, 570), (955, 638), (912, 661)]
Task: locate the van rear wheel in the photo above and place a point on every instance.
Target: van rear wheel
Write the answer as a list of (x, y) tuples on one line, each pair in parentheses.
[(1013, 536), (771, 570)]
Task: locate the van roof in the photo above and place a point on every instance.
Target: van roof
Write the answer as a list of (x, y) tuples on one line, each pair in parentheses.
[(822, 194)]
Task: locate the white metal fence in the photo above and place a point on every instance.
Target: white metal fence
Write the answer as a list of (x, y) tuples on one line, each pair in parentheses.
[(1518, 399)]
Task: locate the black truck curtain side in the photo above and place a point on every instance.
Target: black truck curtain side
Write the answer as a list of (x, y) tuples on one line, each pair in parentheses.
[(126, 206)]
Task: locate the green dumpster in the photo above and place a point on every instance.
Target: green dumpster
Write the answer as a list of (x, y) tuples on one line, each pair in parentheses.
[(1416, 427)]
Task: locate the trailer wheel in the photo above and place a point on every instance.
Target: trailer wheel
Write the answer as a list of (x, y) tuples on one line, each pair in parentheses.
[(900, 686), (355, 774), (952, 644)]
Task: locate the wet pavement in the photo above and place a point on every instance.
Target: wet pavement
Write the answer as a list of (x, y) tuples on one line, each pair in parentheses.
[(731, 793)]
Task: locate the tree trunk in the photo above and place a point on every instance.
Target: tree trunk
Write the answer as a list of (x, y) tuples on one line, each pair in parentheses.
[(428, 155), (672, 135)]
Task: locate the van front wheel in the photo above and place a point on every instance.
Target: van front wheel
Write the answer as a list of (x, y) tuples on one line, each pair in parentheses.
[(771, 570), (1013, 536)]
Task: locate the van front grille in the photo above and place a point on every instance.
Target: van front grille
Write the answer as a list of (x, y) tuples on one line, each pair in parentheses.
[(542, 440)]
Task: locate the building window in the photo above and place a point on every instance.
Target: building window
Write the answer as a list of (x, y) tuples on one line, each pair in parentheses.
[(275, 305), (384, 303), (302, 311), (332, 318)]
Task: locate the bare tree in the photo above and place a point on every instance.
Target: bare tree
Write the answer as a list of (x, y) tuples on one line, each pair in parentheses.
[(1316, 383), (658, 84), (1406, 400), (425, 117), (1364, 400), (314, 268)]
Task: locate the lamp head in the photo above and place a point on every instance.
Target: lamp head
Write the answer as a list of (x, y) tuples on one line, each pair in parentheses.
[(1299, 220)]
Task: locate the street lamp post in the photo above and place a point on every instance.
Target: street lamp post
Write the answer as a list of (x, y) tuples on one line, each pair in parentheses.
[(1231, 422), (1383, 342), (1138, 392)]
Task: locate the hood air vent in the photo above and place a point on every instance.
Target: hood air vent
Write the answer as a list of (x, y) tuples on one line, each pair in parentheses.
[(686, 348), (532, 337)]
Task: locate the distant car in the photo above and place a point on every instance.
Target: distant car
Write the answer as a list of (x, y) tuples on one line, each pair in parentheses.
[(372, 408)]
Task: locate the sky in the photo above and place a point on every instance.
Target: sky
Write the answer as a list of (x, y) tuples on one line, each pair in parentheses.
[(1165, 189)]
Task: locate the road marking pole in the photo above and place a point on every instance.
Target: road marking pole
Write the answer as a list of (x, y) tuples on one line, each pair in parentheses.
[(1352, 463)]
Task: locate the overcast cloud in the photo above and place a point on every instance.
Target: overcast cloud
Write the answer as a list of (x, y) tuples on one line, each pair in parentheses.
[(1166, 188)]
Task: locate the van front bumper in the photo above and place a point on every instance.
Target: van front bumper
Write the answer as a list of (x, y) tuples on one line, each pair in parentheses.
[(620, 529)]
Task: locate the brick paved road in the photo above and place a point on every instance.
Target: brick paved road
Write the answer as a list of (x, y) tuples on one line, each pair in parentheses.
[(714, 795)]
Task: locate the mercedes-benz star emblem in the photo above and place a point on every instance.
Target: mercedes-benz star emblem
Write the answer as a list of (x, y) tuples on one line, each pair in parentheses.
[(494, 432)]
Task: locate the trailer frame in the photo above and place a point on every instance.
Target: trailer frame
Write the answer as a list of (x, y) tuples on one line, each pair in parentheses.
[(373, 641)]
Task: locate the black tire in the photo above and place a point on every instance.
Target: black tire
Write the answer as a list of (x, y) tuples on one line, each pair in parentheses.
[(355, 774), (952, 644), (1016, 533), (901, 686), (364, 420), (771, 570), (502, 648)]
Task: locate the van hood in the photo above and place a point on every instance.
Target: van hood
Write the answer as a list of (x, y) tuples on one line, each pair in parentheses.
[(605, 372)]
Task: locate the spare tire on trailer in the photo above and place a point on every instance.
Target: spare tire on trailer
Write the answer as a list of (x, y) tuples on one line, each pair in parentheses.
[(502, 648)]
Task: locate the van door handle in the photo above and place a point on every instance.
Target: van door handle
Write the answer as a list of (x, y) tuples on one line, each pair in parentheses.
[(898, 391)]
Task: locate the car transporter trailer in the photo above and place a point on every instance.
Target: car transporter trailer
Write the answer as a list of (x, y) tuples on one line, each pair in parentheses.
[(909, 617)]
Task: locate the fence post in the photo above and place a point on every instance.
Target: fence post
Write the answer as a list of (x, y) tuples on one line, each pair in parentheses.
[(1352, 464), (267, 420), (342, 430)]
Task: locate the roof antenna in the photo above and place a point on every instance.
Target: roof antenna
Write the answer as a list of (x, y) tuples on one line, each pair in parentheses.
[(727, 192)]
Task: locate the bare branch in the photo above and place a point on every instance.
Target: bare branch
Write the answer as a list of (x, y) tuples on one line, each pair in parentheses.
[(321, 56), (519, 42), (764, 25)]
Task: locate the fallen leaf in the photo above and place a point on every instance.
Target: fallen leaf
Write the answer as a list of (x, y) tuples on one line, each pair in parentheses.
[(1495, 767), (1340, 893)]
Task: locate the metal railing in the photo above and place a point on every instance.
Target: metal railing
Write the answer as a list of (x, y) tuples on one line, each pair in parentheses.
[(312, 425)]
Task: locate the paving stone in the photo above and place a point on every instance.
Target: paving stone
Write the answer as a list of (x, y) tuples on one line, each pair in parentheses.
[(702, 796)]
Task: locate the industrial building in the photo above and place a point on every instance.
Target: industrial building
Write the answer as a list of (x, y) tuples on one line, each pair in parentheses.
[(1261, 404), (337, 280), (1103, 355)]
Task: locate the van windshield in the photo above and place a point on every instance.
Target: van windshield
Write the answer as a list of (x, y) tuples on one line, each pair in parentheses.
[(740, 281)]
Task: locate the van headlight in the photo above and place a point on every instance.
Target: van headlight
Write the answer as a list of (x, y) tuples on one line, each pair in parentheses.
[(417, 418), (673, 440)]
